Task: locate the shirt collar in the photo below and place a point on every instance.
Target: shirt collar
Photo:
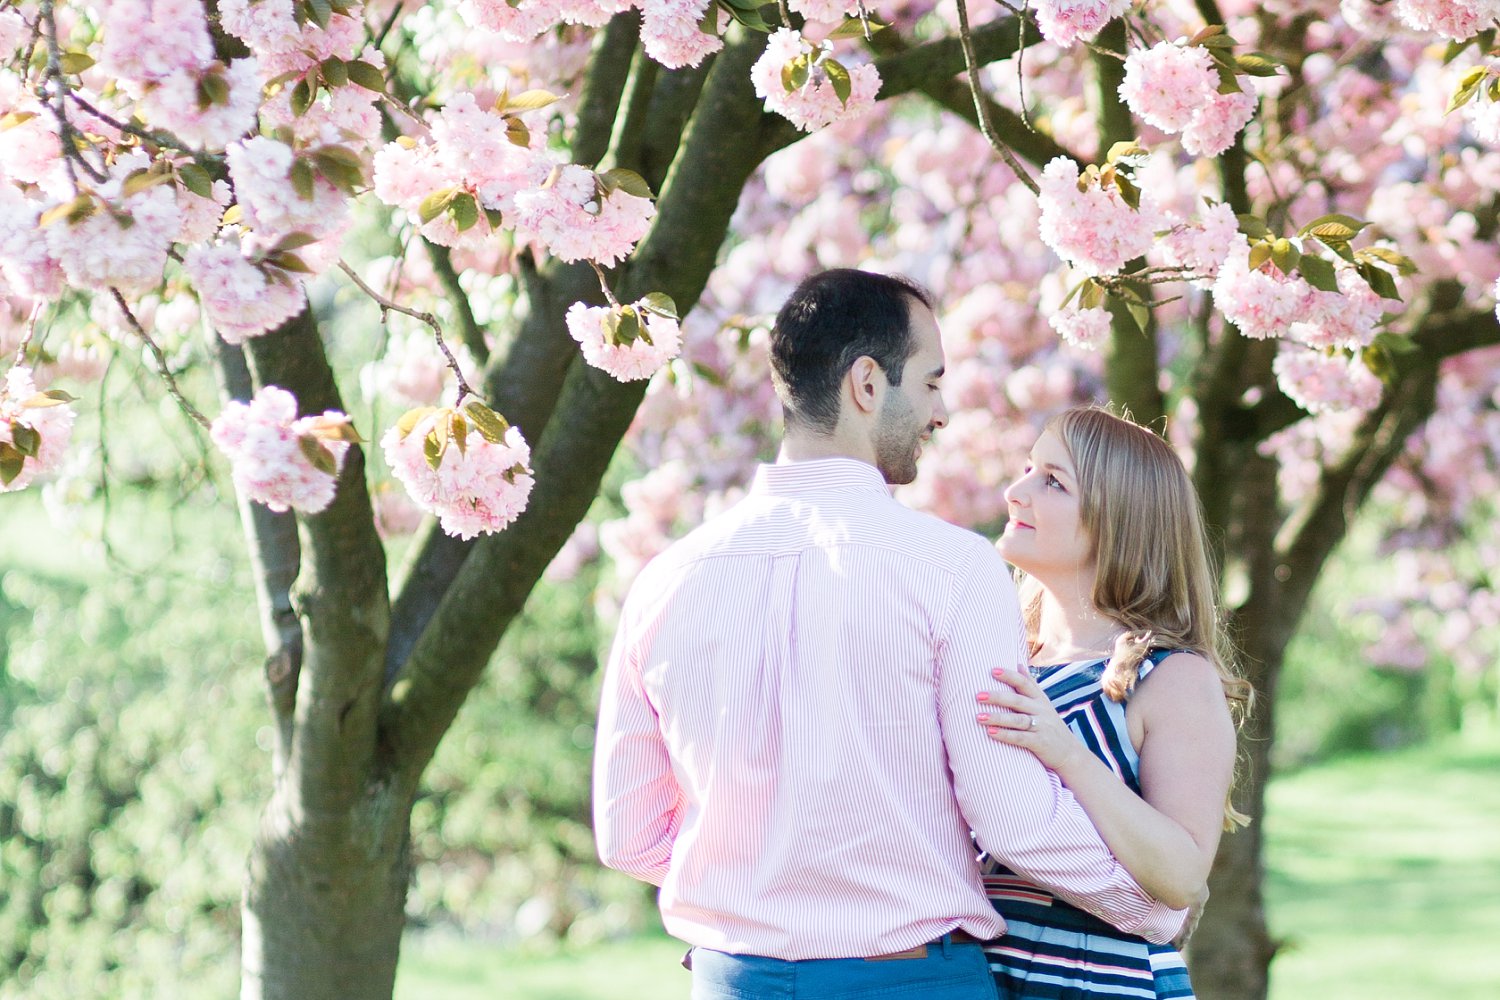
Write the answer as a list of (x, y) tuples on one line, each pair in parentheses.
[(818, 476)]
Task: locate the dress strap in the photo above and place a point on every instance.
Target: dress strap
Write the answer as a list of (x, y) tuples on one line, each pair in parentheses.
[(1155, 657)]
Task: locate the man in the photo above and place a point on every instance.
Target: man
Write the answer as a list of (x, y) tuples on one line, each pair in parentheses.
[(786, 740)]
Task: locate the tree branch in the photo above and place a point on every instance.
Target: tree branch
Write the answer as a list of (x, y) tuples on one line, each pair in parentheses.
[(340, 592), (599, 104), (275, 557), (697, 201)]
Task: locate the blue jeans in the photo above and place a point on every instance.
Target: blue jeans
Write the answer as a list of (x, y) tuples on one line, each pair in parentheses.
[(949, 972)]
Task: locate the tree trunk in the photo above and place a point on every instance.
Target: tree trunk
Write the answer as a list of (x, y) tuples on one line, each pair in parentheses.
[(325, 901)]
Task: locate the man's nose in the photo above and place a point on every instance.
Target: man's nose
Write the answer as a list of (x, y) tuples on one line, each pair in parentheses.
[(939, 414)]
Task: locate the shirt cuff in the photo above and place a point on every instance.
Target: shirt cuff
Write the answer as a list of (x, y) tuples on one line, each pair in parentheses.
[(1160, 924)]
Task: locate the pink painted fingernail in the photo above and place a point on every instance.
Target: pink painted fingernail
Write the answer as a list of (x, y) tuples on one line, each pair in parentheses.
[(998, 673), (983, 717), (994, 730), (982, 696)]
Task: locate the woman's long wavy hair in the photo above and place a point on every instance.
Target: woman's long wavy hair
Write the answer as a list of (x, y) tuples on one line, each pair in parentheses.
[(1154, 574)]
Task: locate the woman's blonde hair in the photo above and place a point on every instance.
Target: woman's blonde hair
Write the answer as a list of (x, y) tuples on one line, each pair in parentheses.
[(1154, 576)]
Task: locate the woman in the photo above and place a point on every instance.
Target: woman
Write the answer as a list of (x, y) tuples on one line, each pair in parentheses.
[(1132, 702)]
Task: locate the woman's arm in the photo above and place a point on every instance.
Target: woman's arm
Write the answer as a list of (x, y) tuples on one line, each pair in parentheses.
[(1179, 721)]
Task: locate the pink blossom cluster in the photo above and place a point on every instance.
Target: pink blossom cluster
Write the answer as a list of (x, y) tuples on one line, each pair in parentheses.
[(1094, 230), (469, 153), (1200, 246), (260, 168), (824, 11), (242, 297), (150, 41), (265, 26), (478, 489), (1347, 318), (412, 371), (51, 424), (1483, 114), (1263, 302), (13, 30), (1064, 22), (123, 241), (1168, 83), (173, 105), (1320, 382), (815, 104), (343, 116), (1084, 328), (523, 20), (160, 51), (396, 513), (26, 263), (201, 216), (1455, 19), (1176, 88), (658, 506), (627, 362), (576, 221), (671, 35), (284, 47), (264, 441)]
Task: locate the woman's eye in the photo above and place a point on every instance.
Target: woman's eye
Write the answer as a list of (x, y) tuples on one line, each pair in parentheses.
[(1054, 481)]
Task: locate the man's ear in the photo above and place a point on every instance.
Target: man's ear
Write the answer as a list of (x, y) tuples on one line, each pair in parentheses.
[(866, 384)]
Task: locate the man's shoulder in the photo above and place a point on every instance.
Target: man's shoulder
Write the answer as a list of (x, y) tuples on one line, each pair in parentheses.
[(933, 534)]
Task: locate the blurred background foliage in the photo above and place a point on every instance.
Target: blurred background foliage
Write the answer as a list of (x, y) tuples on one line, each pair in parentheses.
[(133, 748)]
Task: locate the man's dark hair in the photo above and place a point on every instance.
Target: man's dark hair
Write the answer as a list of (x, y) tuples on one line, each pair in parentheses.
[(832, 320)]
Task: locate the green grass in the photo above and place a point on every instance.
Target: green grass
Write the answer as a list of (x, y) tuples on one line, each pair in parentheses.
[(1384, 883), (446, 968), (1385, 875)]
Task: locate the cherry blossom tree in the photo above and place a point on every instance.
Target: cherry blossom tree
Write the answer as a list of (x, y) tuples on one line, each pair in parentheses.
[(1267, 229)]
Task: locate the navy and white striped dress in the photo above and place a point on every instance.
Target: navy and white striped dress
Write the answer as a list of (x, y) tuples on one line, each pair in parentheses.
[(1052, 950)]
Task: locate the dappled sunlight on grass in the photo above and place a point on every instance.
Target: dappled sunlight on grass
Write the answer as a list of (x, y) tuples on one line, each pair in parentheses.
[(1385, 875)]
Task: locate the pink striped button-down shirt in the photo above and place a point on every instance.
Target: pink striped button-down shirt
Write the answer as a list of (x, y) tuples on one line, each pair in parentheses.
[(787, 743)]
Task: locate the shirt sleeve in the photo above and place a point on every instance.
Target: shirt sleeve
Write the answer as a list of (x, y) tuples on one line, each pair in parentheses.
[(1018, 809), (637, 801)]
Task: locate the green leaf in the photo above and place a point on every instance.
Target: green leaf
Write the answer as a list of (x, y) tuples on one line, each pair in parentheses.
[(341, 166), (1215, 42), (529, 100), (1396, 343), (14, 118), (1379, 362), (1208, 31), (708, 24), (142, 180), (465, 211), (233, 215), (289, 262), (317, 456), (196, 180), (517, 132), (77, 210), (1259, 254), (1092, 295), (75, 62), (1129, 193), (335, 71), (855, 28), (302, 178), (213, 91), (302, 96), (1468, 88), (1139, 312), (838, 78), (1336, 227), (25, 440), (1403, 264), (489, 423), (1228, 82), (1253, 226), (436, 204), (318, 11), (1257, 64), (494, 217), (628, 181), (293, 241), (750, 16), (1319, 273), (51, 397), (659, 303), (436, 443), (366, 75), (459, 431), (794, 73), (1124, 151), (1380, 281), (627, 326), (1285, 256), (411, 418), (11, 464)]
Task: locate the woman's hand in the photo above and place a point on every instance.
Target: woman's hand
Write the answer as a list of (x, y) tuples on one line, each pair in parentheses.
[(1019, 713)]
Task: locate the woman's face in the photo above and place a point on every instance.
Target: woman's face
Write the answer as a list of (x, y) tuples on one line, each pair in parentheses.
[(1045, 536)]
